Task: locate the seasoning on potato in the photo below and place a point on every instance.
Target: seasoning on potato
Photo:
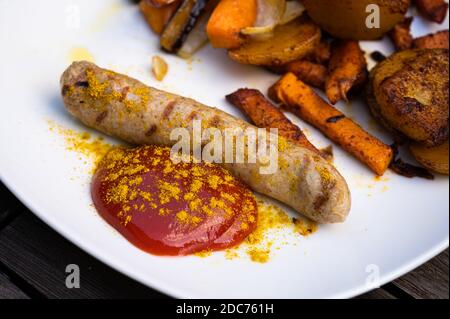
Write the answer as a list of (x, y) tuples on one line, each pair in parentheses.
[(408, 93)]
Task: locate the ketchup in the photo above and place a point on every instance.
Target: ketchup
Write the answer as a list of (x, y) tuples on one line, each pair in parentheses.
[(172, 209)]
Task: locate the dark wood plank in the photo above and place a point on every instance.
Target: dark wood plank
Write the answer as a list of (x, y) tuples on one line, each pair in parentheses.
[(10, 206), (10, 291), (377, 294), (39, 255), (429, 281)]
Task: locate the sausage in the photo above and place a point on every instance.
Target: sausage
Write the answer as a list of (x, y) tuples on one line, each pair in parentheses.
[(125, 108)]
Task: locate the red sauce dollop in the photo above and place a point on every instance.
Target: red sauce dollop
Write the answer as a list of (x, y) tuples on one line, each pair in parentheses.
[(172, 209)]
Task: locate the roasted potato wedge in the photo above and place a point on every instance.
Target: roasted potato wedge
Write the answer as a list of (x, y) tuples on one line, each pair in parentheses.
[(409, 92), (347, 19), (290, 42), (433, 158)]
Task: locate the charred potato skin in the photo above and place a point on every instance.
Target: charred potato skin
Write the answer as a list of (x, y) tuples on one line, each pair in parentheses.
[(292, 41), (409, 93), (347, 19)]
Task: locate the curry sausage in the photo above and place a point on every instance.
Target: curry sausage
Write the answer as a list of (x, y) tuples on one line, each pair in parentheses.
[(125, 108)]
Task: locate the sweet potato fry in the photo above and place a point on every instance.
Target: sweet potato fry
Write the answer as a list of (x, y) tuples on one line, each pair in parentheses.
[(401, 35), (433, 10), (303, 101), (347, 69), (227, 21), (437, 40), (321, 54), (158, 16), (310, 73), (265, 115)]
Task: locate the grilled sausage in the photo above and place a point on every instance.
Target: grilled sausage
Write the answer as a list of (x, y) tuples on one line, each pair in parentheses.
[(127, 109)]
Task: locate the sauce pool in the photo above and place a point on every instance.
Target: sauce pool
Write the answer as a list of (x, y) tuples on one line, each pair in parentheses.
[(172, 209)]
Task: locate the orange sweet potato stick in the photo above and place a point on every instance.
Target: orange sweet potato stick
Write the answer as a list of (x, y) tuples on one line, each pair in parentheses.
[(158, 17), (433, 10), (310, 107), (347, 69), (438, 40), (265, 115), (227, 21)]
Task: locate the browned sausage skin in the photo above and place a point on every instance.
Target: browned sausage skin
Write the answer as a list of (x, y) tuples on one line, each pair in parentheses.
[(127, 109)]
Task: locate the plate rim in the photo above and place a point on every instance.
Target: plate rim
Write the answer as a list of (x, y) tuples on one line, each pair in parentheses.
[(176, 292)]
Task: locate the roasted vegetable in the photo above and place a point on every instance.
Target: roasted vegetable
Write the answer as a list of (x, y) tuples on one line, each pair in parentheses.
[(321, 54), (432, 158), (401, 35), (438, 40), (269, 15), (290, 42), (159, 3), (265, 115), (181, 24), (227, 21), (158, 17), (408, 93), (311, 73), (347, 69), (348, 19), (198, 37), (310, 107), (433, 10)]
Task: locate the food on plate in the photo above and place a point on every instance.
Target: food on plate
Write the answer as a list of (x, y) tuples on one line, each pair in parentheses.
[(197, 37), (401, 35), (311, 73), (347, 70), (125, 108), (289, 42), (438, 40), (321, 53), (159, 68), (181, 24), (408, 93), (227, 21), (158, 14), (433, 158), (348, 19), (160, 3), (303, 101), (172, 209), (265, 115), (433, 10)]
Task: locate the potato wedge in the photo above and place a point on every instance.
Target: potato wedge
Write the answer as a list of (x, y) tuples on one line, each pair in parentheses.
[(432, 158), (348, 19), (290, 42)]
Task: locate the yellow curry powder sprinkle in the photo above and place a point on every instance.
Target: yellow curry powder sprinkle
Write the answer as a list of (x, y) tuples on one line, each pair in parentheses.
[(274, 227), (92, 148), (124, 170)]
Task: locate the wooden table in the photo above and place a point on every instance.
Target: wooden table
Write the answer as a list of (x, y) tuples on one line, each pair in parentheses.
[(33, 260)]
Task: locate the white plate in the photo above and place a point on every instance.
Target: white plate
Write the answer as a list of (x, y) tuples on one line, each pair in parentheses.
[(395, 225)]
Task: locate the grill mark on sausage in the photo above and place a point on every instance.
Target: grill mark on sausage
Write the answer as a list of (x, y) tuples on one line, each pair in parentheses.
[(101, 117), (82, 84), (169, 108), (124, 93), (192, 116), (151, 130), (215, 121), (65, 89)]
